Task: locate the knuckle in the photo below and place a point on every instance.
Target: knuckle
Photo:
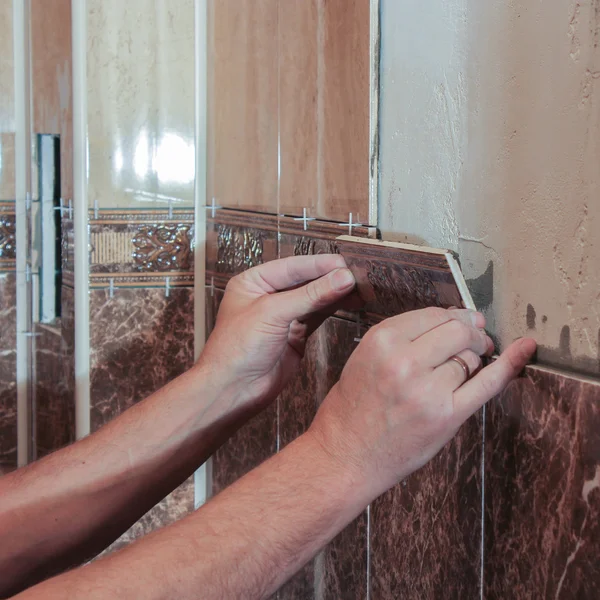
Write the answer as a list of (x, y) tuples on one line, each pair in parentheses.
[(437, 313), (314, 293), (461, 332), (406, 367)]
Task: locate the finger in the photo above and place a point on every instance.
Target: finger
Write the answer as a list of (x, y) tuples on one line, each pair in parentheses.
[(452, 375), (494, 378), (314, 297), (438, 345), (412, 325), (288, 272), (351, 302)]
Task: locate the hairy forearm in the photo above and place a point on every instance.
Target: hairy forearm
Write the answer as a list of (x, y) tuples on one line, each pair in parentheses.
[(69, 506), (244, 543)]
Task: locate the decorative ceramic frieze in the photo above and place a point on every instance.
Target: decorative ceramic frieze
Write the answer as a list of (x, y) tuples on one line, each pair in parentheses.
[(8, 246)]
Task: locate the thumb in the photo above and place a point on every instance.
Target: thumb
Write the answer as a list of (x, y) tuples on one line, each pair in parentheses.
[(312, 297)]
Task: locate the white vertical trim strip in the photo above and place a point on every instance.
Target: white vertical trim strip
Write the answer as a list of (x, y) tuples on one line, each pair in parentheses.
[(80, 219), (22, 190), (202, 488)]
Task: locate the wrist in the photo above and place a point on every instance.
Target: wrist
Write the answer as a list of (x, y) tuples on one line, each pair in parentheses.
[(329, 451)]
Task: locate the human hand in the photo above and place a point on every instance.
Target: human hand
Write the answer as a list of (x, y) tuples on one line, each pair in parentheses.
[(265, 319), (401, 397)]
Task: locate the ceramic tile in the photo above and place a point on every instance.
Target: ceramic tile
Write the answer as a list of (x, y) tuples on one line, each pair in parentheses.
[(51, 79), (393, 279), (298, 108), (7, 92), (426, 531), (242, 102), (345, 82), (8, 357), (54, 401), (140, 340), (542, 488), (7, 162), (175, 506), (237, 241), (141, 242), (140, 102)]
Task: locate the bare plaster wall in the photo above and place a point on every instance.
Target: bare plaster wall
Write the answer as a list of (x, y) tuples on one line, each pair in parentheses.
[(490, 146)]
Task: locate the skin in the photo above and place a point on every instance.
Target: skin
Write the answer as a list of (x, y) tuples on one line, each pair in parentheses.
[(398, 402)]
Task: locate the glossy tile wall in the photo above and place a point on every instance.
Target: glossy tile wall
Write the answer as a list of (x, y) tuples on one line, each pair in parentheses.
[(8, 393), (140, 60), (289, 97), (140, 103)]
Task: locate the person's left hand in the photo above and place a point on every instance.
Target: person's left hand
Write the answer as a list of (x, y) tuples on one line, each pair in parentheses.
[(265, 319)]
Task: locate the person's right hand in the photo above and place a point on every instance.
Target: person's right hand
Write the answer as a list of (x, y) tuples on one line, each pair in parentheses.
[(401, 398)]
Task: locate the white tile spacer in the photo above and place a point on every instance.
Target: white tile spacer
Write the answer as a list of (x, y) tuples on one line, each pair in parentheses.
[(60, 207), (96, 209), (31, 333), (304, 219), (27, 273), (213, 207), (167, 287), (350, 225), (111, 288), (358, 337), (211, 286), (70, 210), (28, 201)]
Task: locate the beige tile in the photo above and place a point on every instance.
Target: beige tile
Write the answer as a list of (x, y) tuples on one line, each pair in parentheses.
[(7, 100), (344, 128), (51, 74), (7, 166), (298, 104), (243, 122), (140, 95)]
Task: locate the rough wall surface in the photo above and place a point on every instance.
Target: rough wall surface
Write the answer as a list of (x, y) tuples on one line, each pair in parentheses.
[(490, 144)]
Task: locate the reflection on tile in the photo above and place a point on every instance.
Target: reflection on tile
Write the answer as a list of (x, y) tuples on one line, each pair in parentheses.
[(542, 488), (140, 340), (393, 280), (242, 104), (140, 100), (175, 506), (8, 373), (426, 532)]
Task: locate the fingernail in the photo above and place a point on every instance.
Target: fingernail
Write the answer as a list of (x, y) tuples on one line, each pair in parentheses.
[(342, 279)]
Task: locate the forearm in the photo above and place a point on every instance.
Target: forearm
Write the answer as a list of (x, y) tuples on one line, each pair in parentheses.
[(243, 544), (66, 508)]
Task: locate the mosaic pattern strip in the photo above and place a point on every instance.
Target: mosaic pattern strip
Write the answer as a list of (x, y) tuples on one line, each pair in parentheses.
[(146, 248)]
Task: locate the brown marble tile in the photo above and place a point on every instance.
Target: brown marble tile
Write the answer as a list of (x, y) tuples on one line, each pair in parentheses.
[(54, 402), (242, 103), (426, 532), (140, 340), (8, 371), (175, 506), (393, 280), (340, 570), (542, 489)]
